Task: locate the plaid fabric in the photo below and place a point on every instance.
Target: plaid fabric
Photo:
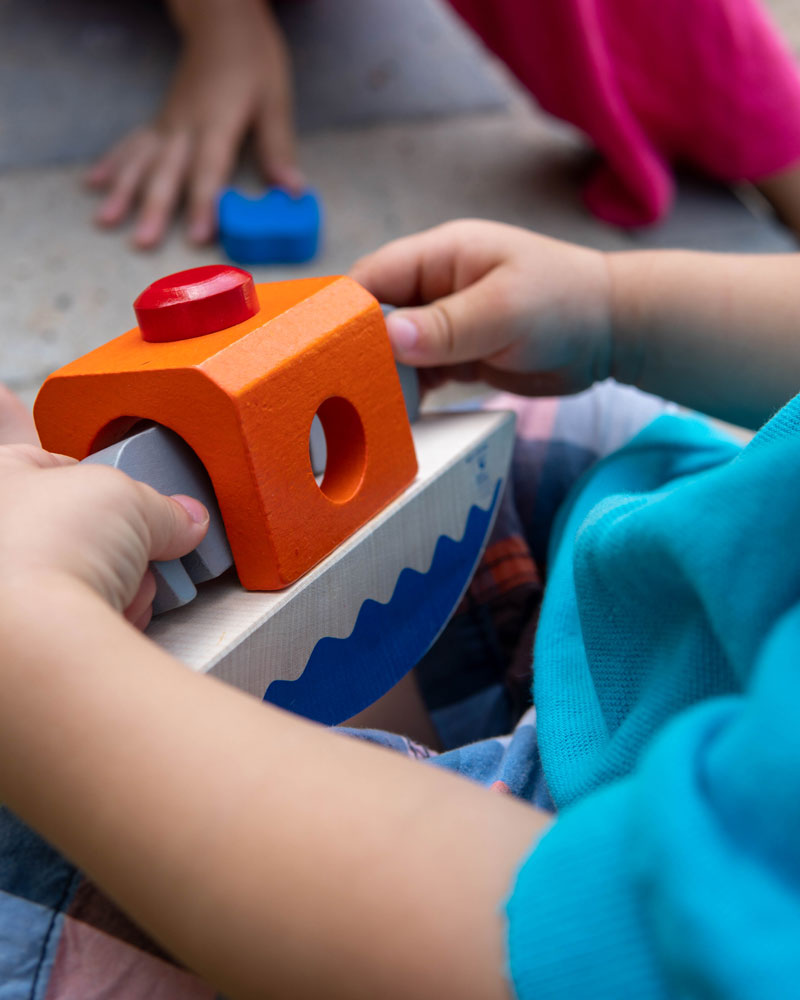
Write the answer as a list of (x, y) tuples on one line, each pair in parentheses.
[(61, 939), (486, 649)]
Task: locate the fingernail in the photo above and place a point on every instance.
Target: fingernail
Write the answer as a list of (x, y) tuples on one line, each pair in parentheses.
[(403, 332), (193, 508)]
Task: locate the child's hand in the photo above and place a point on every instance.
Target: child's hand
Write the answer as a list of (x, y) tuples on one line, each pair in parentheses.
[(233, 76), (89, 525), (496, 304)]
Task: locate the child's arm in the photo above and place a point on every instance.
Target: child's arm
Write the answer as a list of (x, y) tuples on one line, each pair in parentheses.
[(272, 855), (233, 76), (536, 316), (716, 332)]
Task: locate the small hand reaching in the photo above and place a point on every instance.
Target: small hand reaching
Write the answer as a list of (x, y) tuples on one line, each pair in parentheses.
[(233, 77)]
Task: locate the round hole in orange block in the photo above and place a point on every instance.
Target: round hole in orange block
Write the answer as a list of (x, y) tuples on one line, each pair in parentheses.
[(346, 449)]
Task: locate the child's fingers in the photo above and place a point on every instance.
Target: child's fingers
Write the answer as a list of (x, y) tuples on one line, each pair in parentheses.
[(19, 457), (91, 523), (467, 326), (128, 180), (163, 189), (139, 611), (394, 272), (432, 264), (100, 173), (290, 178), (144, 619), (216, 155), (275, 142), (176, 524)]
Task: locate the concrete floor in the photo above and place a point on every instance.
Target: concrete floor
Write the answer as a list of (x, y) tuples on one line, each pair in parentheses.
[(65, 287)]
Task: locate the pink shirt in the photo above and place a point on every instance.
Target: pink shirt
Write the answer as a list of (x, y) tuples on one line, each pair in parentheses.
[(707, 83)]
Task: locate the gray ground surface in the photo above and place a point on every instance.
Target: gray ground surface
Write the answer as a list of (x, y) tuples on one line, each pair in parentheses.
[(477, 147), (75, 74)]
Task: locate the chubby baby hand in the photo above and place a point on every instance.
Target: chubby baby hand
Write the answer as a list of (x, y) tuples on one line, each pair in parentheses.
[(482, 301), (89, 526)]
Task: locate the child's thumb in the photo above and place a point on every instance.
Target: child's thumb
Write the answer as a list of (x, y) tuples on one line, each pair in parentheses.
[(457, 328), (177, 524)]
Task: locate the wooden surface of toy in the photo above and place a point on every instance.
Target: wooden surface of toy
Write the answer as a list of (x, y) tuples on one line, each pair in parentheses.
[(243, 398), (277, 227), (346, 632)]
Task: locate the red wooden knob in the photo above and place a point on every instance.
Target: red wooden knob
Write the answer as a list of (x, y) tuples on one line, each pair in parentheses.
[(194, 302)]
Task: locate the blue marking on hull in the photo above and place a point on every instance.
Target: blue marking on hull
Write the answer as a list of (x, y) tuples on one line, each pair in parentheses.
[(344, 676)]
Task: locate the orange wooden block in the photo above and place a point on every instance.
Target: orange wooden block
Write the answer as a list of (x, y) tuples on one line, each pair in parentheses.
[(243, 398)]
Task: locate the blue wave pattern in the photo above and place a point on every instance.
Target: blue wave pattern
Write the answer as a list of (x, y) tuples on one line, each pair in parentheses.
[(343, 676)]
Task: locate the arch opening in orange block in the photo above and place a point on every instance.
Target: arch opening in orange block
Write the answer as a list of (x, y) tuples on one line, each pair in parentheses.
[(115, 430)]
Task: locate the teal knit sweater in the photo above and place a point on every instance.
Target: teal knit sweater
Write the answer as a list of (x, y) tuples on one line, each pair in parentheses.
[(667, 684)]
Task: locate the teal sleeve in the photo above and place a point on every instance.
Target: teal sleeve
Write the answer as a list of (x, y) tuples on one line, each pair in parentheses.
[(681, 879), (575, 923)]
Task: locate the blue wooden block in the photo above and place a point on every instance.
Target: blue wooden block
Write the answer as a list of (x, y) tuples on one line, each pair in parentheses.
[(276, 228)]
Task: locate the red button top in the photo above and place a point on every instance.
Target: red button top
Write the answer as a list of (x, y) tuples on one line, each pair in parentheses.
[(194, 302)]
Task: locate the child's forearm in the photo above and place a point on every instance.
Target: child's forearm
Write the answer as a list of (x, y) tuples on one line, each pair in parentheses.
[(719, 333), (196, 17), (245, 839)]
